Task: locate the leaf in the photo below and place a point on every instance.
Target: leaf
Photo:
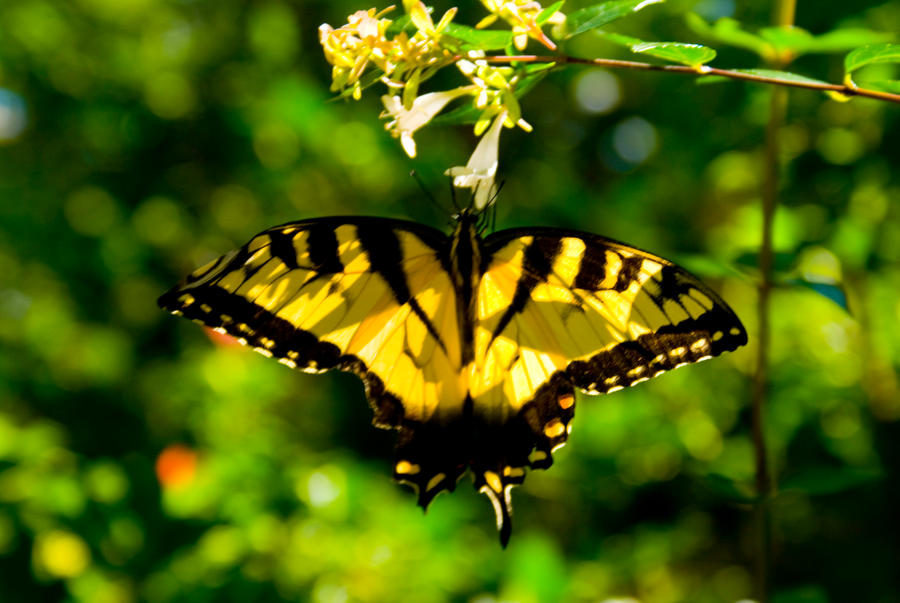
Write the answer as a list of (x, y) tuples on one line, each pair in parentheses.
[(728, 31), (709, 267), (549, 12), (841, 40), (792, 39), (810, 593), (799, 41), (892, 86), (782, 76), (871, 54), (677, 52), (729, 489), (832, 291), (826, 480), (479, 39), (599, 15), (398, 25), (782, 261), (470, 114)]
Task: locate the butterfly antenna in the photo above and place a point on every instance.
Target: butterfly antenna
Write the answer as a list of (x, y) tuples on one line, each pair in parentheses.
[(493, 216), (427, 192), (453, 195), (492, 205)]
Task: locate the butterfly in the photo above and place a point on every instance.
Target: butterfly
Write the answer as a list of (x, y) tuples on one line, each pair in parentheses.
[(471, 346)]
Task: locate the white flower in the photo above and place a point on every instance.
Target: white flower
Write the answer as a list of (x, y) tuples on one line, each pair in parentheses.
[(482, 166), (424, 108)]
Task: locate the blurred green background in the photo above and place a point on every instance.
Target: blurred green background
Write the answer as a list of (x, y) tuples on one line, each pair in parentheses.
[(141, 460)]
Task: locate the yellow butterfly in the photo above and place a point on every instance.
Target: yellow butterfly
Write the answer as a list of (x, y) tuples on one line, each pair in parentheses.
[(472, 347)]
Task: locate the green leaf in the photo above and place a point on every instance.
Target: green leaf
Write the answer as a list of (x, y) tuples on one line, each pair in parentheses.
[(599, 15), (549, 12), (677, 52), (799, 41), (729, 489), (826, 480), (469, 114), (794, 39), (783, 76), (398, 25), (783, 262), (871, 54), (810, 593), (892, 86), (832, 291), (728, 31), (479, 39), (841, 40)]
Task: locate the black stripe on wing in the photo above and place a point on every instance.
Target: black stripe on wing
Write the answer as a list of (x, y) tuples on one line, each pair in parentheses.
[(536, 266)]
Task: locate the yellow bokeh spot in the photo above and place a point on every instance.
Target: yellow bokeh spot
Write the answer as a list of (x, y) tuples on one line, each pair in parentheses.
[(61, 554), (170, 95)]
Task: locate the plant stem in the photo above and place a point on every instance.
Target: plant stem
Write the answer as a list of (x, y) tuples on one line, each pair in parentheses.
[(783, 15), (764, 485), (702, 71)]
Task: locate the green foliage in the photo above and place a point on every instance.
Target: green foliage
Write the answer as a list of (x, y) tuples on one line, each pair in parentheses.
[(598, 15), (870, 55), (692, 55), (479, 39)]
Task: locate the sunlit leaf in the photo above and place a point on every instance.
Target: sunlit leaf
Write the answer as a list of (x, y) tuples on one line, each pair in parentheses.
[(599, 15), (783, 76), (729, 31), (677, 52), (549, 12), (479, 39), (817, 481), (869, 55)]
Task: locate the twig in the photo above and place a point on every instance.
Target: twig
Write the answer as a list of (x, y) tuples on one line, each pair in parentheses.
[(701, 71), (783, 15)]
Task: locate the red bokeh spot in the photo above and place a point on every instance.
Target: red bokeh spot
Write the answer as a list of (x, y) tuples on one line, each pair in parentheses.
[(176, 466), (222, 339)]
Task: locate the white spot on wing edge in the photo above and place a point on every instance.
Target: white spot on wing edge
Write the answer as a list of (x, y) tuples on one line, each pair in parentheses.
[(288, 362)]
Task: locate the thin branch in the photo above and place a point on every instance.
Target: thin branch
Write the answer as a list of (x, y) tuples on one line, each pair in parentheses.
[(783, 16), (701, 71)]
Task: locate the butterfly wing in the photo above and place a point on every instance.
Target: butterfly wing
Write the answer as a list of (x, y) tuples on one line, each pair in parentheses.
[(558, 310), (370, 296)]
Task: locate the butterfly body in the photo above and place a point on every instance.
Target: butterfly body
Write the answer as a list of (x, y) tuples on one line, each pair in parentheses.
[(472, 347)]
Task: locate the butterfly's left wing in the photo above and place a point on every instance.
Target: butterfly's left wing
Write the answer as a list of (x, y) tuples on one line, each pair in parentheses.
[(558, 310)]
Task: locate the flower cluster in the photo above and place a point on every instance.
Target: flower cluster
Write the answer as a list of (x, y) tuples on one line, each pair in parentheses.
[(524, 16), (403, 60)]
